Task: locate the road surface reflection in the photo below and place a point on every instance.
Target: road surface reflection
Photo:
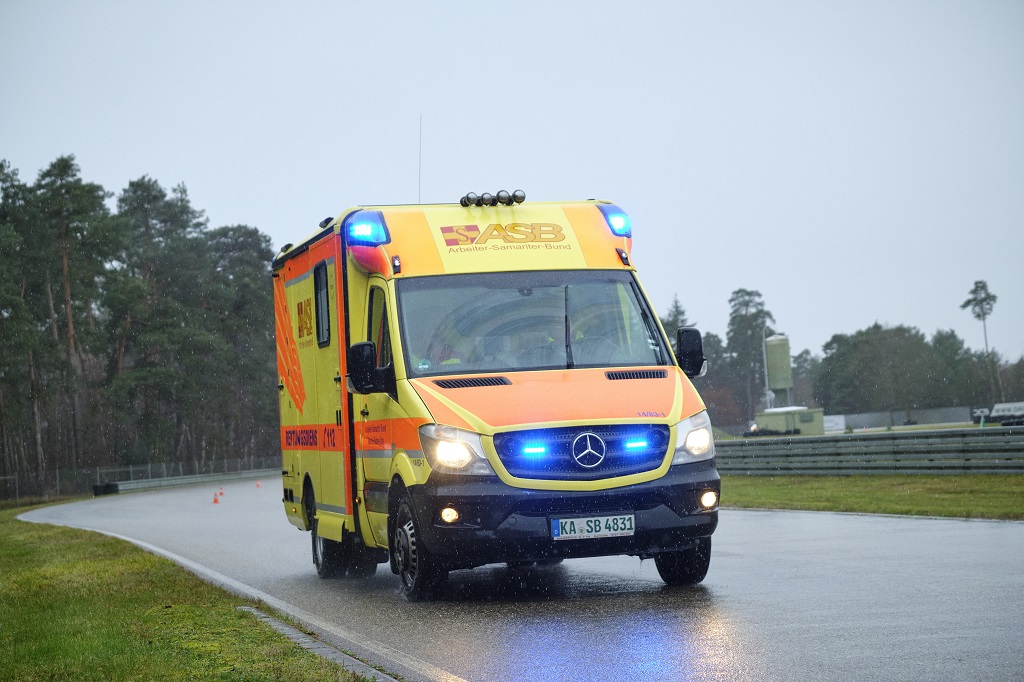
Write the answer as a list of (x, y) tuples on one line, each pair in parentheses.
[(562, 623)]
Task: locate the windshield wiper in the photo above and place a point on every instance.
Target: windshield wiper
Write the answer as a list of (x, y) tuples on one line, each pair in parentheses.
[(652, 332), (569, 364)]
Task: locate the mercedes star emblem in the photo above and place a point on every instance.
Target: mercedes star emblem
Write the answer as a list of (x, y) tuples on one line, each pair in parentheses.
[(588, 450)]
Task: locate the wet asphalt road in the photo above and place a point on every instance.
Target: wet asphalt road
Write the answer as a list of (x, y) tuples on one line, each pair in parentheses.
[(790, 596)]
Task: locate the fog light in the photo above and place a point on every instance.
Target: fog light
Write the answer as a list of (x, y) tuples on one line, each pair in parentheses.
[(449, 515), (709, 499)]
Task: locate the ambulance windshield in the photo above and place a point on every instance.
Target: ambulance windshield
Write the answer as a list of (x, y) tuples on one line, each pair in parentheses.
[(505, 322)]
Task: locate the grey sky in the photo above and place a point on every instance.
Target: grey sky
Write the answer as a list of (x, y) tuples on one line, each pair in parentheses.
[(854, 162)]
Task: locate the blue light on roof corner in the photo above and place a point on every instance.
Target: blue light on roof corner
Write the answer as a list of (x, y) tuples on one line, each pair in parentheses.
[(365, 228), (618, 221)]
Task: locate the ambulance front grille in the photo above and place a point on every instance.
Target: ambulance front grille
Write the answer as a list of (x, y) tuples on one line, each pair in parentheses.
[(549, 453)]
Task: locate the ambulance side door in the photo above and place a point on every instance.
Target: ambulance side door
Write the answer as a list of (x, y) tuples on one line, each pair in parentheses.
[(375, 415), (333, 487)]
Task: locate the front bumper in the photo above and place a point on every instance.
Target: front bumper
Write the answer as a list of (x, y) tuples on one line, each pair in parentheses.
[(499, 523)]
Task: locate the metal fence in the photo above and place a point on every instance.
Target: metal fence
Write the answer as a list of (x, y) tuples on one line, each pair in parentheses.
[(60, 482), (939, 415), (998, 450)]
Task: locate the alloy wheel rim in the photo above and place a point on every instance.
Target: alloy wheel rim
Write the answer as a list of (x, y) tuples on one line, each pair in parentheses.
[(406, 550)]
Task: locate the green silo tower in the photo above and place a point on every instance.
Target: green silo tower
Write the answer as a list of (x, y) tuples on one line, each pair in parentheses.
[(779, 366)]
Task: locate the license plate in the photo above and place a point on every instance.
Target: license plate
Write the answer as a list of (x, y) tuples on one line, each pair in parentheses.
[(586, 528)]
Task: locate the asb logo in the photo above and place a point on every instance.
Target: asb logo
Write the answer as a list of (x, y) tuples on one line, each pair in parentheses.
[(305, 317), (458, 235), (513, 233)]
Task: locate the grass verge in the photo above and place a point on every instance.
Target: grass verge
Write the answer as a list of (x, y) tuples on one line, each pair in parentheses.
[(76, 605), (967, 496)]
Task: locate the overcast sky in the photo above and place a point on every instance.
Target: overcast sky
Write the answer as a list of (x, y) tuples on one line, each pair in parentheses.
[(853, 161)]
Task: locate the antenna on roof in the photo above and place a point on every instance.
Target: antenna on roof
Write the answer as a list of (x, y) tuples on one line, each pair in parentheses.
[(419, 168)]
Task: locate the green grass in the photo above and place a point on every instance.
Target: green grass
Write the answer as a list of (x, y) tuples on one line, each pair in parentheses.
[(76, 605), (967, 496)]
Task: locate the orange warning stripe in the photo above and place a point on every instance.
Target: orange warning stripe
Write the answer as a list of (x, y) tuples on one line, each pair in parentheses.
[(288, 366), (319, 437)]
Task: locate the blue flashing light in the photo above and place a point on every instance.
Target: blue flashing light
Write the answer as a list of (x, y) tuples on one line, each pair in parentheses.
[(361, 230), (618, 222), (365, 228), (636, 444), (534, 450)]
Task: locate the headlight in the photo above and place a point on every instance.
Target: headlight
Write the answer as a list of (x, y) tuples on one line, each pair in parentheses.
[(454, 451), (694, 440)]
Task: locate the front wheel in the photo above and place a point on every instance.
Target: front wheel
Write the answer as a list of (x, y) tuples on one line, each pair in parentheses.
[(420, 571), (685, 566)]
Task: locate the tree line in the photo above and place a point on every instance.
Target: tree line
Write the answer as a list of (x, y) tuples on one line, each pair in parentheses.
[(142, 335), (875, 369), (139, 335)]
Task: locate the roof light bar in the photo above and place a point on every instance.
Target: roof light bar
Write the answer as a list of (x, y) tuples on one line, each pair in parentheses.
[(502, 198)]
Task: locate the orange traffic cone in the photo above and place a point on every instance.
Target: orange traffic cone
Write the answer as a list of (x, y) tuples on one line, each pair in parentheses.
[(222, 491), (258, 484), (216, 500)]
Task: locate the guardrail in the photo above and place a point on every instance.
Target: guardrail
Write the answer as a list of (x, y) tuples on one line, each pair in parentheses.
[(170, 481), (998, 450), (57, 482)]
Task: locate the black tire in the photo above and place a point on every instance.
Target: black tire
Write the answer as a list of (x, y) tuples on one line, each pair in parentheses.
[(329, 556), (685, 566), (421, 573)]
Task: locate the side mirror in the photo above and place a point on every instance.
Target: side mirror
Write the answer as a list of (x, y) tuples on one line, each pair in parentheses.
[(362, 365), (690, 352)]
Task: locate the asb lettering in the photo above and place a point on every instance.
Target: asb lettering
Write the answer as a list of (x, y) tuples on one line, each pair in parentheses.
[(513, 233)]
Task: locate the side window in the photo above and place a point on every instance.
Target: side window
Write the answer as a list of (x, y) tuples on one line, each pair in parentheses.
[(321, 303), (378, 327)]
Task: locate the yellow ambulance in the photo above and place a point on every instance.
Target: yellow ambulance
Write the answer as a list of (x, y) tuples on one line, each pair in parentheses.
[(486, 382)]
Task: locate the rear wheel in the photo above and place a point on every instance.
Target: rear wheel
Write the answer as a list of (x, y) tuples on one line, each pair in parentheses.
[(420, 571), (331, 558), (685, 566)]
